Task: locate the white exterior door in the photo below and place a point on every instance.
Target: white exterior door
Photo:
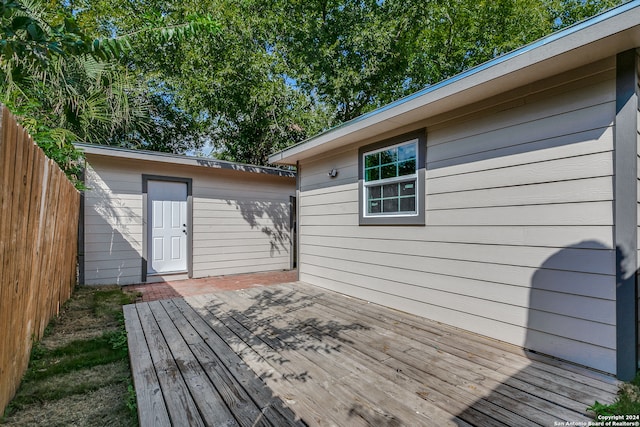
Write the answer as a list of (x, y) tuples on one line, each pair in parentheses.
[(167, 226)]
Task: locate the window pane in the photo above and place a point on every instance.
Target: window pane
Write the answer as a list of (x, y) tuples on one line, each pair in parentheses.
[(408, 204), (397, 194), (375, 192), (371, 160), (390, 190), (389, 171), (374, 206), (407, 188), (389, 156), (407, 152), (407, 168), (390, 205)]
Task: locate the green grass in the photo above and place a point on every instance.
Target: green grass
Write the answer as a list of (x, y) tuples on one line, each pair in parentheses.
[(79, 372), (74, 356), (109, 302), (627, 402)]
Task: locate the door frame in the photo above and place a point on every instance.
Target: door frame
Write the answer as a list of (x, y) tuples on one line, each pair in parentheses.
[(145, 220)]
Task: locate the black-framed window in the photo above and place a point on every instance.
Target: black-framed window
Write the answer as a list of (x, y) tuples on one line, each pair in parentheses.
[(392, 181)]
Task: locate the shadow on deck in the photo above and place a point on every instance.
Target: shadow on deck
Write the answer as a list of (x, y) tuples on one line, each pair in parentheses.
[(293, 354)]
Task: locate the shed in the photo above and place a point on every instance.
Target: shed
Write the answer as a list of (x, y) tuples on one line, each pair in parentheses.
[(151, 216), (503, 201)]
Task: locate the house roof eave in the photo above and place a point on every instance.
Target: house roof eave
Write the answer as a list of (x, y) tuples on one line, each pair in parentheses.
[(597, 38), (176, 159)]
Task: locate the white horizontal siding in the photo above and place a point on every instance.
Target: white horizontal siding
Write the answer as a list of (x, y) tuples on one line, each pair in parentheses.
[(510, 304), (240, 220), (315, 175), (402, 254), (108, 276), (587, 213), (572, 191), (575, 144), (579, 167), (113, 227), (518, 242), (583, 104), (546, 236), (241, 226), (253, 265), (585, 353), (242, 268)]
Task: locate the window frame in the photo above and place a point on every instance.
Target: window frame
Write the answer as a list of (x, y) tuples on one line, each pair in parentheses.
[(394, 218)]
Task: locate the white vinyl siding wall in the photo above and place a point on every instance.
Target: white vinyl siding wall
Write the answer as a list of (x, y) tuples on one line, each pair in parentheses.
[(518, 242), (241, 224), (240, 220), (113, 225)]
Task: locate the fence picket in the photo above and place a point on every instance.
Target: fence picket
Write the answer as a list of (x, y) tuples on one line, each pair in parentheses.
[(38, 247)]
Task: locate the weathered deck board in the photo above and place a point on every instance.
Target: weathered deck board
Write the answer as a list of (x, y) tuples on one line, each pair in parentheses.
[(148, 393), (293, 354), (212, 350), (460, 351), (182, 409), (439, 378), (490, 353), (317, 349)]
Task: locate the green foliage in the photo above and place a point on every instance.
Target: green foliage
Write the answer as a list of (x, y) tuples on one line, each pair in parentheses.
[(52, 76), (353, 54), (627, 402), (118, 340), (37, 351), (567, 12), (80, 354), (159, 28), (279, 72), (132, 403), (67, 86), (227, 89), (358, 55), (248, 77), (26, 36)]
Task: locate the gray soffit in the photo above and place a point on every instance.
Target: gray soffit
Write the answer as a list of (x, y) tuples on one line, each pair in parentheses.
[(176, 159), (600, 37)]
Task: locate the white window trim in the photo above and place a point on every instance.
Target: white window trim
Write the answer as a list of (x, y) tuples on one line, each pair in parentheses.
[(412, 177), (402, 219)]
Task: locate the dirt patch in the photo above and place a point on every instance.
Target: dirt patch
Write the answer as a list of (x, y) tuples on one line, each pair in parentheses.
[(88, 314), (79, 372), (102, 407)]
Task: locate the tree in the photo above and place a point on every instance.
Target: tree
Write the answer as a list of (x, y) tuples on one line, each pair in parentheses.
[(231, 85), (67, 86), (51, 76), (350, 55), (357, 55), (567, 12), (276, 73)]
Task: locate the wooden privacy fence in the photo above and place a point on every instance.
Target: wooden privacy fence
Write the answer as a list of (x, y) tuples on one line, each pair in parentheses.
[(38, 244)]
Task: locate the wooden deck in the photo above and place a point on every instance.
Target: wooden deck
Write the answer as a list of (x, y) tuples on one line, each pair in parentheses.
[(294, 354)]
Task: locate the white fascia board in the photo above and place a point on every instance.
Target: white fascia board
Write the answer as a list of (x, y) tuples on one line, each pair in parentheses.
[(597, 38), (176, 159)]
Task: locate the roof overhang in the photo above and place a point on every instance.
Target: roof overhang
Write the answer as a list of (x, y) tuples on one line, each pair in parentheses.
[(600, 37), (176, 159)]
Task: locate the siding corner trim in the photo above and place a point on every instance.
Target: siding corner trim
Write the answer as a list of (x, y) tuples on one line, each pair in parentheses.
[(625, 213)]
